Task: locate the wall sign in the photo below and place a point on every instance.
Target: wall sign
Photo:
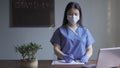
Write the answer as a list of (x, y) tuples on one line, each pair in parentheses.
[(32, 13)]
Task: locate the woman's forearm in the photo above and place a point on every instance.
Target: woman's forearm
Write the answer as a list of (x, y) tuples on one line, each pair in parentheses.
[(58, 51), (89, 51)]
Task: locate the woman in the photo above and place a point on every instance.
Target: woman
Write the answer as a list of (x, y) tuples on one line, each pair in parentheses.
[(72, 41)]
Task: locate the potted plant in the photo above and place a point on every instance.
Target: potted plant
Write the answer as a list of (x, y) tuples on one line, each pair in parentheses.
[(28, 52)]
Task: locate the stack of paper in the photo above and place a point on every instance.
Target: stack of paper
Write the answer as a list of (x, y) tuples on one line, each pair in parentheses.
[(62, 62)]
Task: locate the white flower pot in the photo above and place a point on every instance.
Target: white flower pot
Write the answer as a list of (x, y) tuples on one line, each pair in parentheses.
[(29, 63)]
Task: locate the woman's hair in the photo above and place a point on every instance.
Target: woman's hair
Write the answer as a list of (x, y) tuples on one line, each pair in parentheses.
[(69, 6)]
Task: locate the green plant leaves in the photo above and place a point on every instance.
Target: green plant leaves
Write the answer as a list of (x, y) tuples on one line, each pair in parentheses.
[(29, 50)]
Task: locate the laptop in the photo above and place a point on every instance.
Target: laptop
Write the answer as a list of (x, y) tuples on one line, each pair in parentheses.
[(108, 57)]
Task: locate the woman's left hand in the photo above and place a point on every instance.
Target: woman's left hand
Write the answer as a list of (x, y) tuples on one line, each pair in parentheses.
[(84, 59)]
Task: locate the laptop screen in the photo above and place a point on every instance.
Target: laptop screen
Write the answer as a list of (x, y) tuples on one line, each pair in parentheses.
[(108, 57)]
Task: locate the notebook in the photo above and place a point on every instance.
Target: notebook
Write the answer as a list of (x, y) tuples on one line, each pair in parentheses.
[(62, 62)]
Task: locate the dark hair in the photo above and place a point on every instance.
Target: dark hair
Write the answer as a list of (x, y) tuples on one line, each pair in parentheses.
[(69, 6)]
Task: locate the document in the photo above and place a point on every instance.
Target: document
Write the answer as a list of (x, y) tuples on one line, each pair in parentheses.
[(62, 62)]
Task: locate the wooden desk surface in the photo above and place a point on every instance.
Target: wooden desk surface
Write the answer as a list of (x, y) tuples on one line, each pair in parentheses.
[(42, 64)]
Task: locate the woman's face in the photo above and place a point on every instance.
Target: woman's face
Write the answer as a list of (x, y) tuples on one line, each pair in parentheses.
[(73, 16), (73, 11)]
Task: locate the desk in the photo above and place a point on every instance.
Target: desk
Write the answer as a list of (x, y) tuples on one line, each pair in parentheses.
[(42, 64)]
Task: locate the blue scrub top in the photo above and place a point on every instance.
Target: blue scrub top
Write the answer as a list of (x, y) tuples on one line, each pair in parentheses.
[(72, 43)]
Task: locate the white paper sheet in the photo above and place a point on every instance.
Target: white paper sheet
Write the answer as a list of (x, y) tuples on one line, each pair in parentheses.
[(62, 62)]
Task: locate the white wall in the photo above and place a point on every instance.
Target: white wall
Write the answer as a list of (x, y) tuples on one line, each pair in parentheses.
[(103, 26), (118, 23)]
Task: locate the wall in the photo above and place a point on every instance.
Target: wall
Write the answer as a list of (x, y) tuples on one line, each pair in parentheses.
[(103, 26), (118, 23)]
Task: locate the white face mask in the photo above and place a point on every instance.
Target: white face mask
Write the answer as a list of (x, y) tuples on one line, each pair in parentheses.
[(73, 19)]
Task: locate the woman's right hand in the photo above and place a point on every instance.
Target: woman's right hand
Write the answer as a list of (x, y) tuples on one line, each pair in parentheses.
[(68, 58)]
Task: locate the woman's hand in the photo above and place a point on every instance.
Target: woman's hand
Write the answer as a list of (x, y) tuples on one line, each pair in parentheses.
[(68, 58), (84, 59)]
